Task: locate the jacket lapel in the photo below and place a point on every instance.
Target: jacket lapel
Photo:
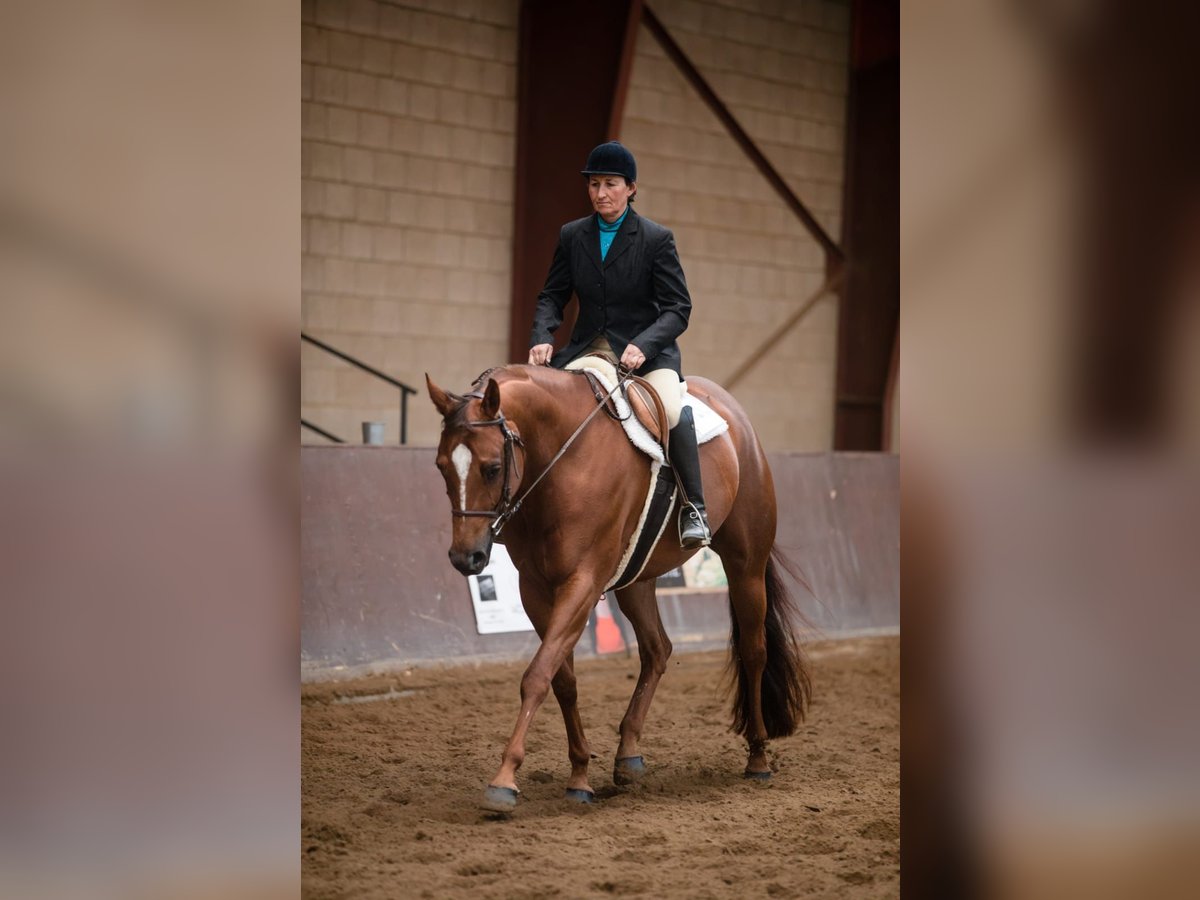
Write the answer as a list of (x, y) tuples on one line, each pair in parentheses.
[(591, 242), (623, 239)]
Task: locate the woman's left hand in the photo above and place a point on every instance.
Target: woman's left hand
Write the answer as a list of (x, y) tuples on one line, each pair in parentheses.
[(633, 358)]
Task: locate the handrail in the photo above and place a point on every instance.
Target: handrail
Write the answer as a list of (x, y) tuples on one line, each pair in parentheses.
[(304, 423), (405, 389)]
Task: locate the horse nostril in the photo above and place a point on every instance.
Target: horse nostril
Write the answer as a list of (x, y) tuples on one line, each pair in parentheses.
[(478, 559)]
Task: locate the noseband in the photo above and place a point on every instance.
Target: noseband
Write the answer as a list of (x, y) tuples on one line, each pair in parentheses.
[(507, 507)]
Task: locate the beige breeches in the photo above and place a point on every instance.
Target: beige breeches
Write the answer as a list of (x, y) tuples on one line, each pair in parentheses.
[(665, 381)]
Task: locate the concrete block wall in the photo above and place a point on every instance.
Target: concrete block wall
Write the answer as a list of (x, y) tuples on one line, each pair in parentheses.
[(780, 68), (408, 132), (408, 135)]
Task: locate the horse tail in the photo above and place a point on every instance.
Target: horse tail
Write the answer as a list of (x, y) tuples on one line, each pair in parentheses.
[(786, 680)]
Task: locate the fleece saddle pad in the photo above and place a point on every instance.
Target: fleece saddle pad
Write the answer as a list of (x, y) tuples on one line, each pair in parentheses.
[(661, 496), (708, 421)]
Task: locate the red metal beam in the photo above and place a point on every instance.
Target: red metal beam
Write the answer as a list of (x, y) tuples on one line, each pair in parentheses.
[(889, 399), (833, 252), (624, 68), (832, 284), (572, 77), (869, 312)]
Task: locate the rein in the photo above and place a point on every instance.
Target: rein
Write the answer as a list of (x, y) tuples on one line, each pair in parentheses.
[(506, 508)]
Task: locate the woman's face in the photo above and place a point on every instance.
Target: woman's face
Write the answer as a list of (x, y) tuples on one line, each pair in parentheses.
[(610, 195)]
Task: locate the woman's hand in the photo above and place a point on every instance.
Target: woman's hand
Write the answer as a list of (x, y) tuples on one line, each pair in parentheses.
[(540, 354), (633, 358)]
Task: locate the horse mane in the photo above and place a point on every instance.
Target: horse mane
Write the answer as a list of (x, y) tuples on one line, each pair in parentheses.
[(457, 417)]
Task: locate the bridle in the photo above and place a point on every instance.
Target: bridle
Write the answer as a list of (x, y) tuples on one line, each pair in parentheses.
[(507, 507)]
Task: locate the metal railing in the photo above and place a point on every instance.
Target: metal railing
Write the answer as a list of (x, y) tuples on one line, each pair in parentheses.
[(317, 429), (404, 389)]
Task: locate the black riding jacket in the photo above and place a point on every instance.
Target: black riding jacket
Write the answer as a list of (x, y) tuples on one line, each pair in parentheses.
[(636, 295)]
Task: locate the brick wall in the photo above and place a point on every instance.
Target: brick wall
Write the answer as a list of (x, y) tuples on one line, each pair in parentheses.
[(780, 68), (408, 125), (408, 142)]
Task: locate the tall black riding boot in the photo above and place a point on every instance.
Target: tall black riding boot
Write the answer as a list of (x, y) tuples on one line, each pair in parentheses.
[(685, 457)]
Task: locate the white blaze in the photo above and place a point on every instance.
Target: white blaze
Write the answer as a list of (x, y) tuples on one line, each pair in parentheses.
[(461, 457)]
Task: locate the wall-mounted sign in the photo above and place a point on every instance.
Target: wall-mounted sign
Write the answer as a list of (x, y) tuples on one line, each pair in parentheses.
[(704, 570), (496, 596), (496, 592)]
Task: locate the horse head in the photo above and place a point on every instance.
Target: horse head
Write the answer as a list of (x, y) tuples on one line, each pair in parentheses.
[(477, 456)]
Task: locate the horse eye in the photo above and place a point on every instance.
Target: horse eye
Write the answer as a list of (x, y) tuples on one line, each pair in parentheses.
[(491, 470)]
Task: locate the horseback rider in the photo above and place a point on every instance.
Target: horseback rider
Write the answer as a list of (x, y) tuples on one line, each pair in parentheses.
[(633, 305)]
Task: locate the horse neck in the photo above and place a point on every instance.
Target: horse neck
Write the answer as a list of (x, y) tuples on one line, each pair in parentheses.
[(547, 409)]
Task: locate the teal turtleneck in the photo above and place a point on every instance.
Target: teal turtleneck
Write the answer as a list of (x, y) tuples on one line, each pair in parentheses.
[(608, 232)]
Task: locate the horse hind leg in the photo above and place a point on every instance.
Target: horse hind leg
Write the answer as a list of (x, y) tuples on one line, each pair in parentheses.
[(748, 609), (640, 605), (770, 673)]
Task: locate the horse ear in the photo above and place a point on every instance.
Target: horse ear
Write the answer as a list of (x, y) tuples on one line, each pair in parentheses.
[(490, 407), (441, 399)]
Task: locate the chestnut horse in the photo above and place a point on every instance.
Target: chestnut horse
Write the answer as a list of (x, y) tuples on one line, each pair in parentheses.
[(568, 516)]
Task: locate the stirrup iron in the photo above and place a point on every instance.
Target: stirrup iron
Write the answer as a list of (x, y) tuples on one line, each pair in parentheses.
[(695, 533)]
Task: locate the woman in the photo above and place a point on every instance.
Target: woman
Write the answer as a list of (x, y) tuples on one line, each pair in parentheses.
[(633, 305)]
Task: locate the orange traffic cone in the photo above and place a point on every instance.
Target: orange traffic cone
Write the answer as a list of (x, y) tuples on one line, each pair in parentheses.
[(608, 635)]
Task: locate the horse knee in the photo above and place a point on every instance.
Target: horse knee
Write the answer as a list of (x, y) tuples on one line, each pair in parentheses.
[(753, 653), (534, 685), (655, 655), (565, 689)]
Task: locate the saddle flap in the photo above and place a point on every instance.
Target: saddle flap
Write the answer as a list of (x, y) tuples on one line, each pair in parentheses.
[(646, 406), (643, 400)]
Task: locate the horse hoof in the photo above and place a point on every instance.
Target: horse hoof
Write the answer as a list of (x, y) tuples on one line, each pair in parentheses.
[(578, 795), (629, 770), (499, 799), (757, 776)]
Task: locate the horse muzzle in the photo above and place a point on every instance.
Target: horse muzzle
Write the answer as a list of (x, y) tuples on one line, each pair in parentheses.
[(471, 561)]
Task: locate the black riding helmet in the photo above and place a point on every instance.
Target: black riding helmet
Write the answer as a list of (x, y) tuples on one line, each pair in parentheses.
[(611, 158)]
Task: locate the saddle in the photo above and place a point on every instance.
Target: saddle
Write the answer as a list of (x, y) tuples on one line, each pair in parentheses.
[(643, 399), (639, 409)]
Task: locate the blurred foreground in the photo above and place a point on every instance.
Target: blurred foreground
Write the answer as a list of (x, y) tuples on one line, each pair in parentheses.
[(1048, 404), (1049, 415), (148, 280)]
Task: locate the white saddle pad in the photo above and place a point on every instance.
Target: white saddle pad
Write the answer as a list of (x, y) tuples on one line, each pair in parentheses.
[(712, 425), (708, 421)]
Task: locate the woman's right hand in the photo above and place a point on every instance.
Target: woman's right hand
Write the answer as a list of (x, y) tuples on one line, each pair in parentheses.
[(540, 355)]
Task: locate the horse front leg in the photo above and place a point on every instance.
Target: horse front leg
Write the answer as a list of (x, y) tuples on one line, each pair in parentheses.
[(564, 625), (538, 601), (578, 750)]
